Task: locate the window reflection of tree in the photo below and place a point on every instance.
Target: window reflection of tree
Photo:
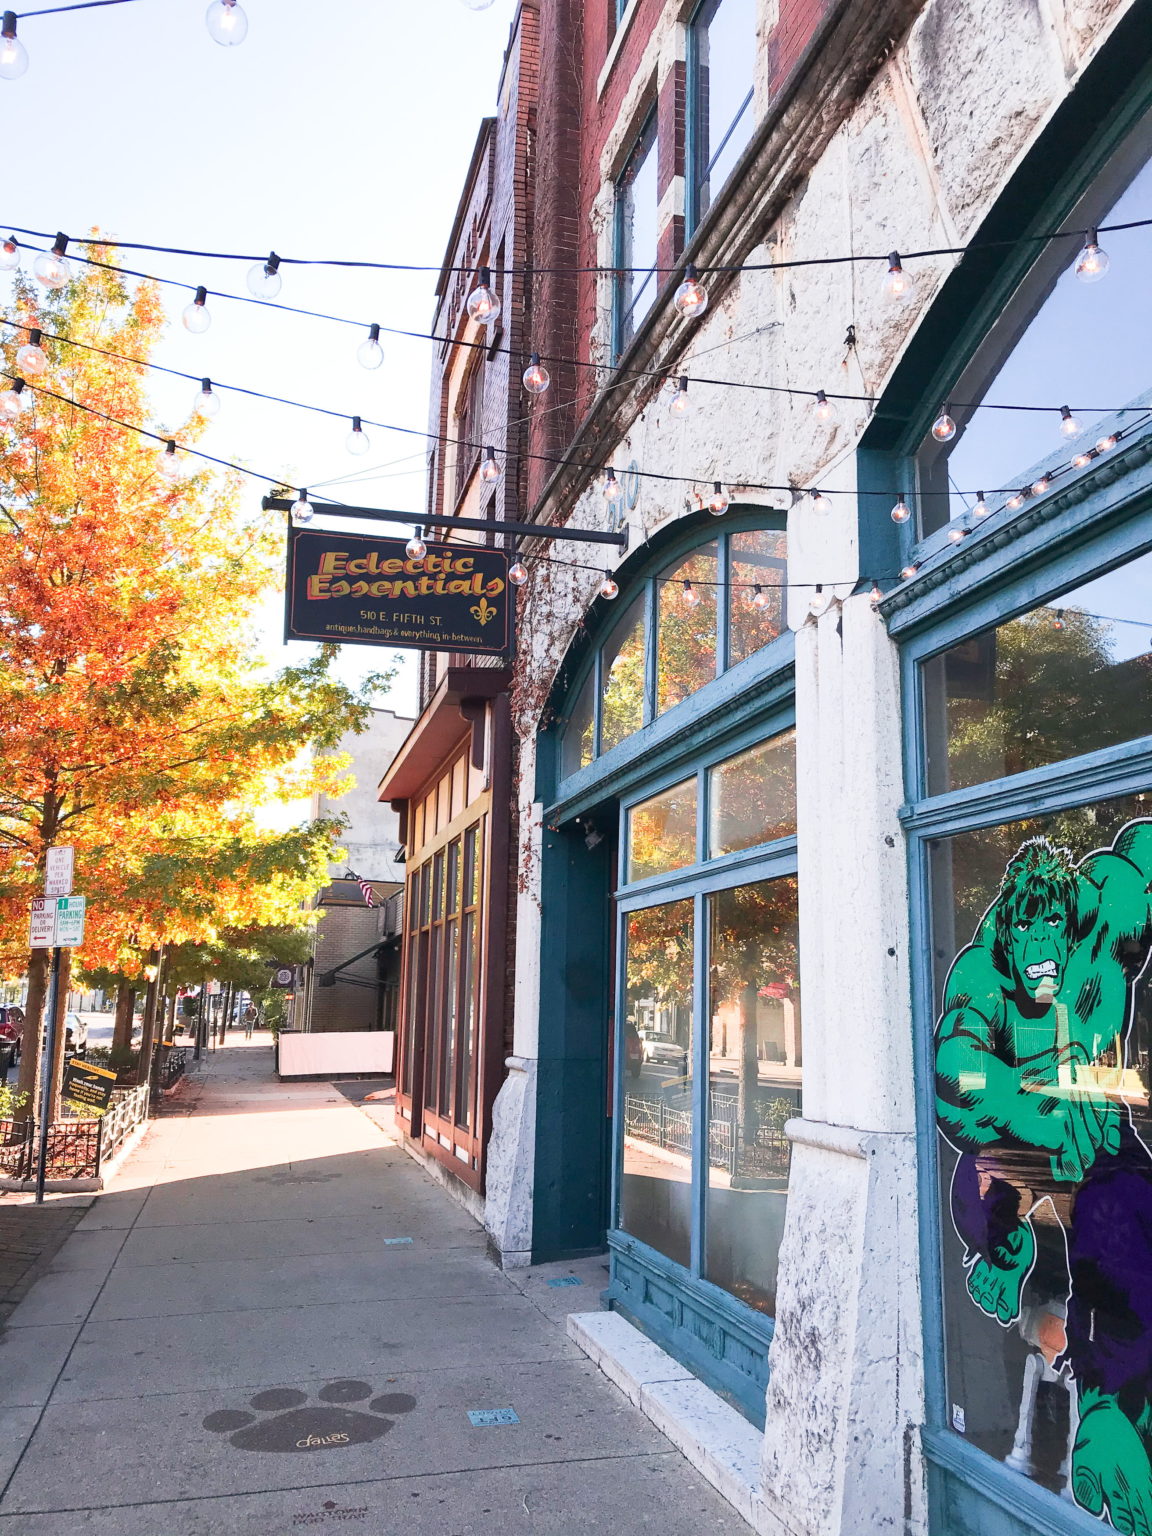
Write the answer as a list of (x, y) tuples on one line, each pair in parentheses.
[(622, 710), (753, 796), (662, 832), (686, 635)]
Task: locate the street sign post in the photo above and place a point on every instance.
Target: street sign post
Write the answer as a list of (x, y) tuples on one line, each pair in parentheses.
[(58, 876), (57, 922)]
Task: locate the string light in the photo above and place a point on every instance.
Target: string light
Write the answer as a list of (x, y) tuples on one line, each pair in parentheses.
[(957, 531), (170, 466), (681, 405), (13, 54), (264, 280), (227, 23), (357, 440), (875, 597), (478, 5), (901, 512), (207, 401), (31, 357), (536, 377), (943, 428), (820, 502), (10, 254), (719, 501), (518, 573), (690, 595), (611, 489), (302, 513), (691, 297), (608, 587), (12, 401), (759, 599), (908, 572), (1106, 443), (197, 317), (483, 305), (490, 470), (1069, 426), (817, 602), (1082, 460), (52, 268), (1016, 500), (416, 548), (1041, 485), (1092, 262), (823, 409), (1058, 619), (370, 354), (897, 282), (981, 509)]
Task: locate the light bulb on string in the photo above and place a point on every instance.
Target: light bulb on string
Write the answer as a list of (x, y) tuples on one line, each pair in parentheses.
[(31, 357), (170, 465), (1016, 500), (690, 595), (52, 268), (611, 490), (759, 599), (1041, 485), (490, 470), (820, 502), (691, 297), (718, 502), (483, 304), (536, 377), (908, 572), (1092, 262), (681, 405), (13, 54), (897, 282), (518, 573), (1106, 443), (1058, 619), (875, 597), (370, 354), (264, 280), (9, 254), (478, 5), (12, 401), (981, 509), (1082, 460), (227, 23), (302, 513), (357, 440), (944, 428), (817, 602), (207, 401), (416, 548), (608, 587), (823, 409), (1069, 426), (901, 512), (957, 531), (197, 317)]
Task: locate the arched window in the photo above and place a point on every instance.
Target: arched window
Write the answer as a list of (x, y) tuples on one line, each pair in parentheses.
[(709, 606)]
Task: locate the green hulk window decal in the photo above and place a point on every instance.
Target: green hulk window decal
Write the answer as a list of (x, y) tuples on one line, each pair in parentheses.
[(1041, 1081)]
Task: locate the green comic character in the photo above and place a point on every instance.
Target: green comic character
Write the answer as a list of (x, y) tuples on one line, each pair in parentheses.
[(1031, 1010)]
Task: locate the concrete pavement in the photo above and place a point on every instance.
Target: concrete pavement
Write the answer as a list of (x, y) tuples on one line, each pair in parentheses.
[(276, 1320)]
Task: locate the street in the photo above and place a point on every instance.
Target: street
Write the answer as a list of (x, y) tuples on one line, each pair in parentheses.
[(241, 1339)]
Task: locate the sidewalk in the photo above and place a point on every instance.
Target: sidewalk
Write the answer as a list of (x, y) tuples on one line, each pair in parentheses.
[(275, 1320)]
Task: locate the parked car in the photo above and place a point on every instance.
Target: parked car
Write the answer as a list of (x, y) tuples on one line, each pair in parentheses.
[(662, 1051), (11, 1033), (75, 1035)]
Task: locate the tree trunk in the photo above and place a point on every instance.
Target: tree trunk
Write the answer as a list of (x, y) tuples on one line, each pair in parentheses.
[(151, 1002), (125, 1012), (61, 1010), (38, 963)]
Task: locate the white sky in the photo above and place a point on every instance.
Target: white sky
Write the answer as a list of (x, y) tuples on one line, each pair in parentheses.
[(339, 128)]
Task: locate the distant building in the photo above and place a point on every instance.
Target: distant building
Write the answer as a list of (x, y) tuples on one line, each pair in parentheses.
[(352, 980)]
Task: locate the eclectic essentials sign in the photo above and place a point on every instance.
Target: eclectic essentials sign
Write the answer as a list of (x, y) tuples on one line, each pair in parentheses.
[(349, 589), (90, 1086)]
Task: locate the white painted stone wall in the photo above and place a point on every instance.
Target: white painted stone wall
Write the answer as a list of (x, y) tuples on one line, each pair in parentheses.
[(919, 162)]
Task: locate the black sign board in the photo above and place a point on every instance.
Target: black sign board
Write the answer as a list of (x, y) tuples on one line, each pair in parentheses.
[(355, 590), (90, 1086)]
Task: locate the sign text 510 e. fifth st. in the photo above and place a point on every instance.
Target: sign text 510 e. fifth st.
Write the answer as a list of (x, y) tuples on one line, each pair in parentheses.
[(359, 590)]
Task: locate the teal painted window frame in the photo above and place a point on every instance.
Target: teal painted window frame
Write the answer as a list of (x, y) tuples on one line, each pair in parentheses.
[(737, 520), (697, 173)]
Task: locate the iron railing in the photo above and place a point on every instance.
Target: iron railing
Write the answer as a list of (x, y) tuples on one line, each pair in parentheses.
[(765, 1154), (77, 1148), (171, 1063)]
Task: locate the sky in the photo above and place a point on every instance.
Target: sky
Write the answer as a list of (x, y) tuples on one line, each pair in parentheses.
[(341, 129)]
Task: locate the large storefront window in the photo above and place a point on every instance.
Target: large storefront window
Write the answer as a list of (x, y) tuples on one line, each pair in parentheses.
[(694, 617)]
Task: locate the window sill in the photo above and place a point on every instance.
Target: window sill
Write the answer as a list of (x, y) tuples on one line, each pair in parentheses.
[(622, 28)]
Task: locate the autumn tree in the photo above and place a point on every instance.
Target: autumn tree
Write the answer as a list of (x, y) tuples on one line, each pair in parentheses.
[(135, 719)]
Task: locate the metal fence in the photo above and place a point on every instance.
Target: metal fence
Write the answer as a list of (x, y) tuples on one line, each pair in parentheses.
[(171, 1065), (77, 1149), (765, 1154)]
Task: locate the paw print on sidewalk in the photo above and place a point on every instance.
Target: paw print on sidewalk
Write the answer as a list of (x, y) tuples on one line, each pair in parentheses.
[(284, 1419)]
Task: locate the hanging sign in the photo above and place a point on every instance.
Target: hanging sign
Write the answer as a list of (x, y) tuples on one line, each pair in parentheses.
[(58, 877), (90, 1086), (349, 589), (285, 977)]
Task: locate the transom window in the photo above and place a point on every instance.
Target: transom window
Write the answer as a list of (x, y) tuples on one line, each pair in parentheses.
[(703, 612), (722, 68)]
